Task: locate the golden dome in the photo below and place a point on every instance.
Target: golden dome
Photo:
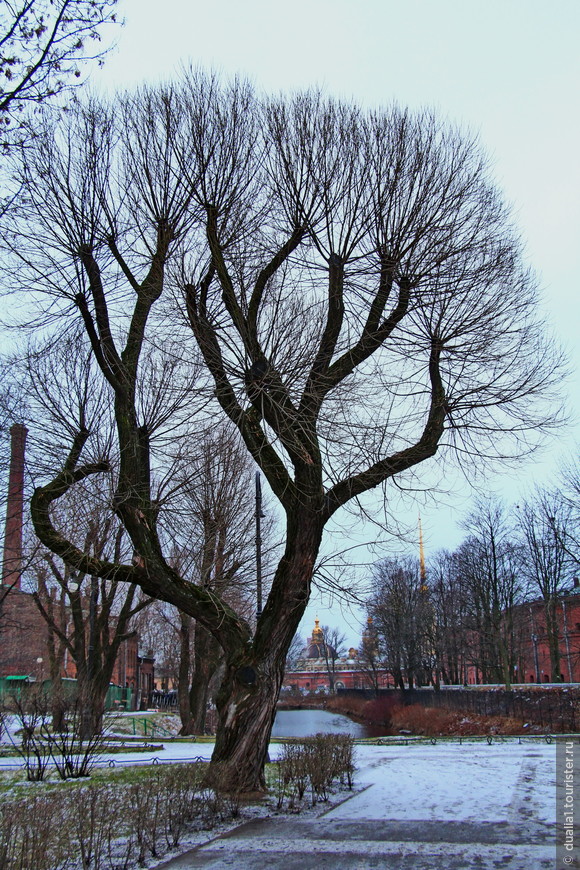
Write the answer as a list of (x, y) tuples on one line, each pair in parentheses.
[(317, 635)]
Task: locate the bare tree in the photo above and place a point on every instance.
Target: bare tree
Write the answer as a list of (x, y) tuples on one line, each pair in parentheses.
[(355, 289), (94, 616), (399, 607), (369, 656), (491, 566), (544, 522), (453, 638), (43, 47), (158, 628), (569, 494), (214, 512), (294, 652), (87, 617), (333, 647)]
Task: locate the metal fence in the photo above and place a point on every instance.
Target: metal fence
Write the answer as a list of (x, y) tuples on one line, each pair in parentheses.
[(555, 709)]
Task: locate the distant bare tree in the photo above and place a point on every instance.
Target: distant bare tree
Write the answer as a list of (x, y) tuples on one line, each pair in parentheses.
[(491, 566), (453, 639), (369, 656), (399, 607), (86, 616), (89, 617), (294, 652), (569, 493), (333, 647), (545, 522), (213, 516)]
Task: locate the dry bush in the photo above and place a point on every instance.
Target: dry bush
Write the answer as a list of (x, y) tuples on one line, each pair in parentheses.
[(180, 792), (433, 722), (34, 834), (318, 761), (109, 826), (379, 711), (94, 812), (421, 720), (353, 705), (375, 711), (144, 803)]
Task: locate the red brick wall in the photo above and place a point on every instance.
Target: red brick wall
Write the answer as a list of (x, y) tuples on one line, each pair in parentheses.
[(23, 637)]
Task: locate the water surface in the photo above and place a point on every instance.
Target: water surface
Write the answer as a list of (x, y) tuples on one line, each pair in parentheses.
[(306, 723)]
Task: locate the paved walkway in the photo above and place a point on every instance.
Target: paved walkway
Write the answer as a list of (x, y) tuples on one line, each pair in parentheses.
[(411, 813), (361, 845)]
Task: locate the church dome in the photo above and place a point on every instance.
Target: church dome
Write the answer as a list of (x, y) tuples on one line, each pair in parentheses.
[(315, 648)]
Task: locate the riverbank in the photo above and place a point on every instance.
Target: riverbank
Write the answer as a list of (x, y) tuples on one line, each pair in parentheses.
[(388, 715)]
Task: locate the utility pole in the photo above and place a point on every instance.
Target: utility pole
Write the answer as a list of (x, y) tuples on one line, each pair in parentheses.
[(259, 516), (93, 602)]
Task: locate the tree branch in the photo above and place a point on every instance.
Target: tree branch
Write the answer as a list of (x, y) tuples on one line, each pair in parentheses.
[(424, 448)]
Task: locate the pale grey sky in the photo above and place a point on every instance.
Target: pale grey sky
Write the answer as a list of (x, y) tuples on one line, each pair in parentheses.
[(508, 69)]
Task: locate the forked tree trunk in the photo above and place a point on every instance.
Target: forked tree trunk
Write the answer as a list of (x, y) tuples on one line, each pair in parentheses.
[(91, 699)]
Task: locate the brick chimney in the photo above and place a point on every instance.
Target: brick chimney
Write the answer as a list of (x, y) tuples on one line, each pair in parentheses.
[(12, 563)]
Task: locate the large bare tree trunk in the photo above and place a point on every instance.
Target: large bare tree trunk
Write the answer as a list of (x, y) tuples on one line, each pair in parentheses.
[(246, 707), (248, 695), (92, 694), (329, 245)]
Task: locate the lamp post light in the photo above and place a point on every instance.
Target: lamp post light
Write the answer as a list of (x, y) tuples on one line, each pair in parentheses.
[(536, 662)]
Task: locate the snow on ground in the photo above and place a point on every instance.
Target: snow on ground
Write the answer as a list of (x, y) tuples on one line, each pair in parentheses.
[(469, 781), (448, 806), (443, 806), (452, 781)]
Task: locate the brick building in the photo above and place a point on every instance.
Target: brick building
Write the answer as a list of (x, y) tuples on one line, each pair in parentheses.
[(310, 672), (533, 664), (24, 633)]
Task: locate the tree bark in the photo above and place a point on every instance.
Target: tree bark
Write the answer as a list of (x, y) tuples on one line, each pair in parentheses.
[(247, 698), (187, 727), (208, 656)]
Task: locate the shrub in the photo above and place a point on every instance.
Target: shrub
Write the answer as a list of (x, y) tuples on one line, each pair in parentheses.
[(434, 721), (319, 761)]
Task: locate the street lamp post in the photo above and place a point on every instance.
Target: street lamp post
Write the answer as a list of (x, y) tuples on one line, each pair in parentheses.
[(259, 516), (536, 662)]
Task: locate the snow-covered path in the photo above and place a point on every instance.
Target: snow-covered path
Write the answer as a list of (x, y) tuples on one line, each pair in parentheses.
[(426, 807)]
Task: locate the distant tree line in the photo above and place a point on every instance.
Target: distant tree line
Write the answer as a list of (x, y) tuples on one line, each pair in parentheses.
[(472, 609)]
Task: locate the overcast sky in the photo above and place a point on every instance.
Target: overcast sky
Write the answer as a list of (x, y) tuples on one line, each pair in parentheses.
[(508, 69)]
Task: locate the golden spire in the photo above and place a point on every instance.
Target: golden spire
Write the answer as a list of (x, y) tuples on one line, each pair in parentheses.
[(422, 571)]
